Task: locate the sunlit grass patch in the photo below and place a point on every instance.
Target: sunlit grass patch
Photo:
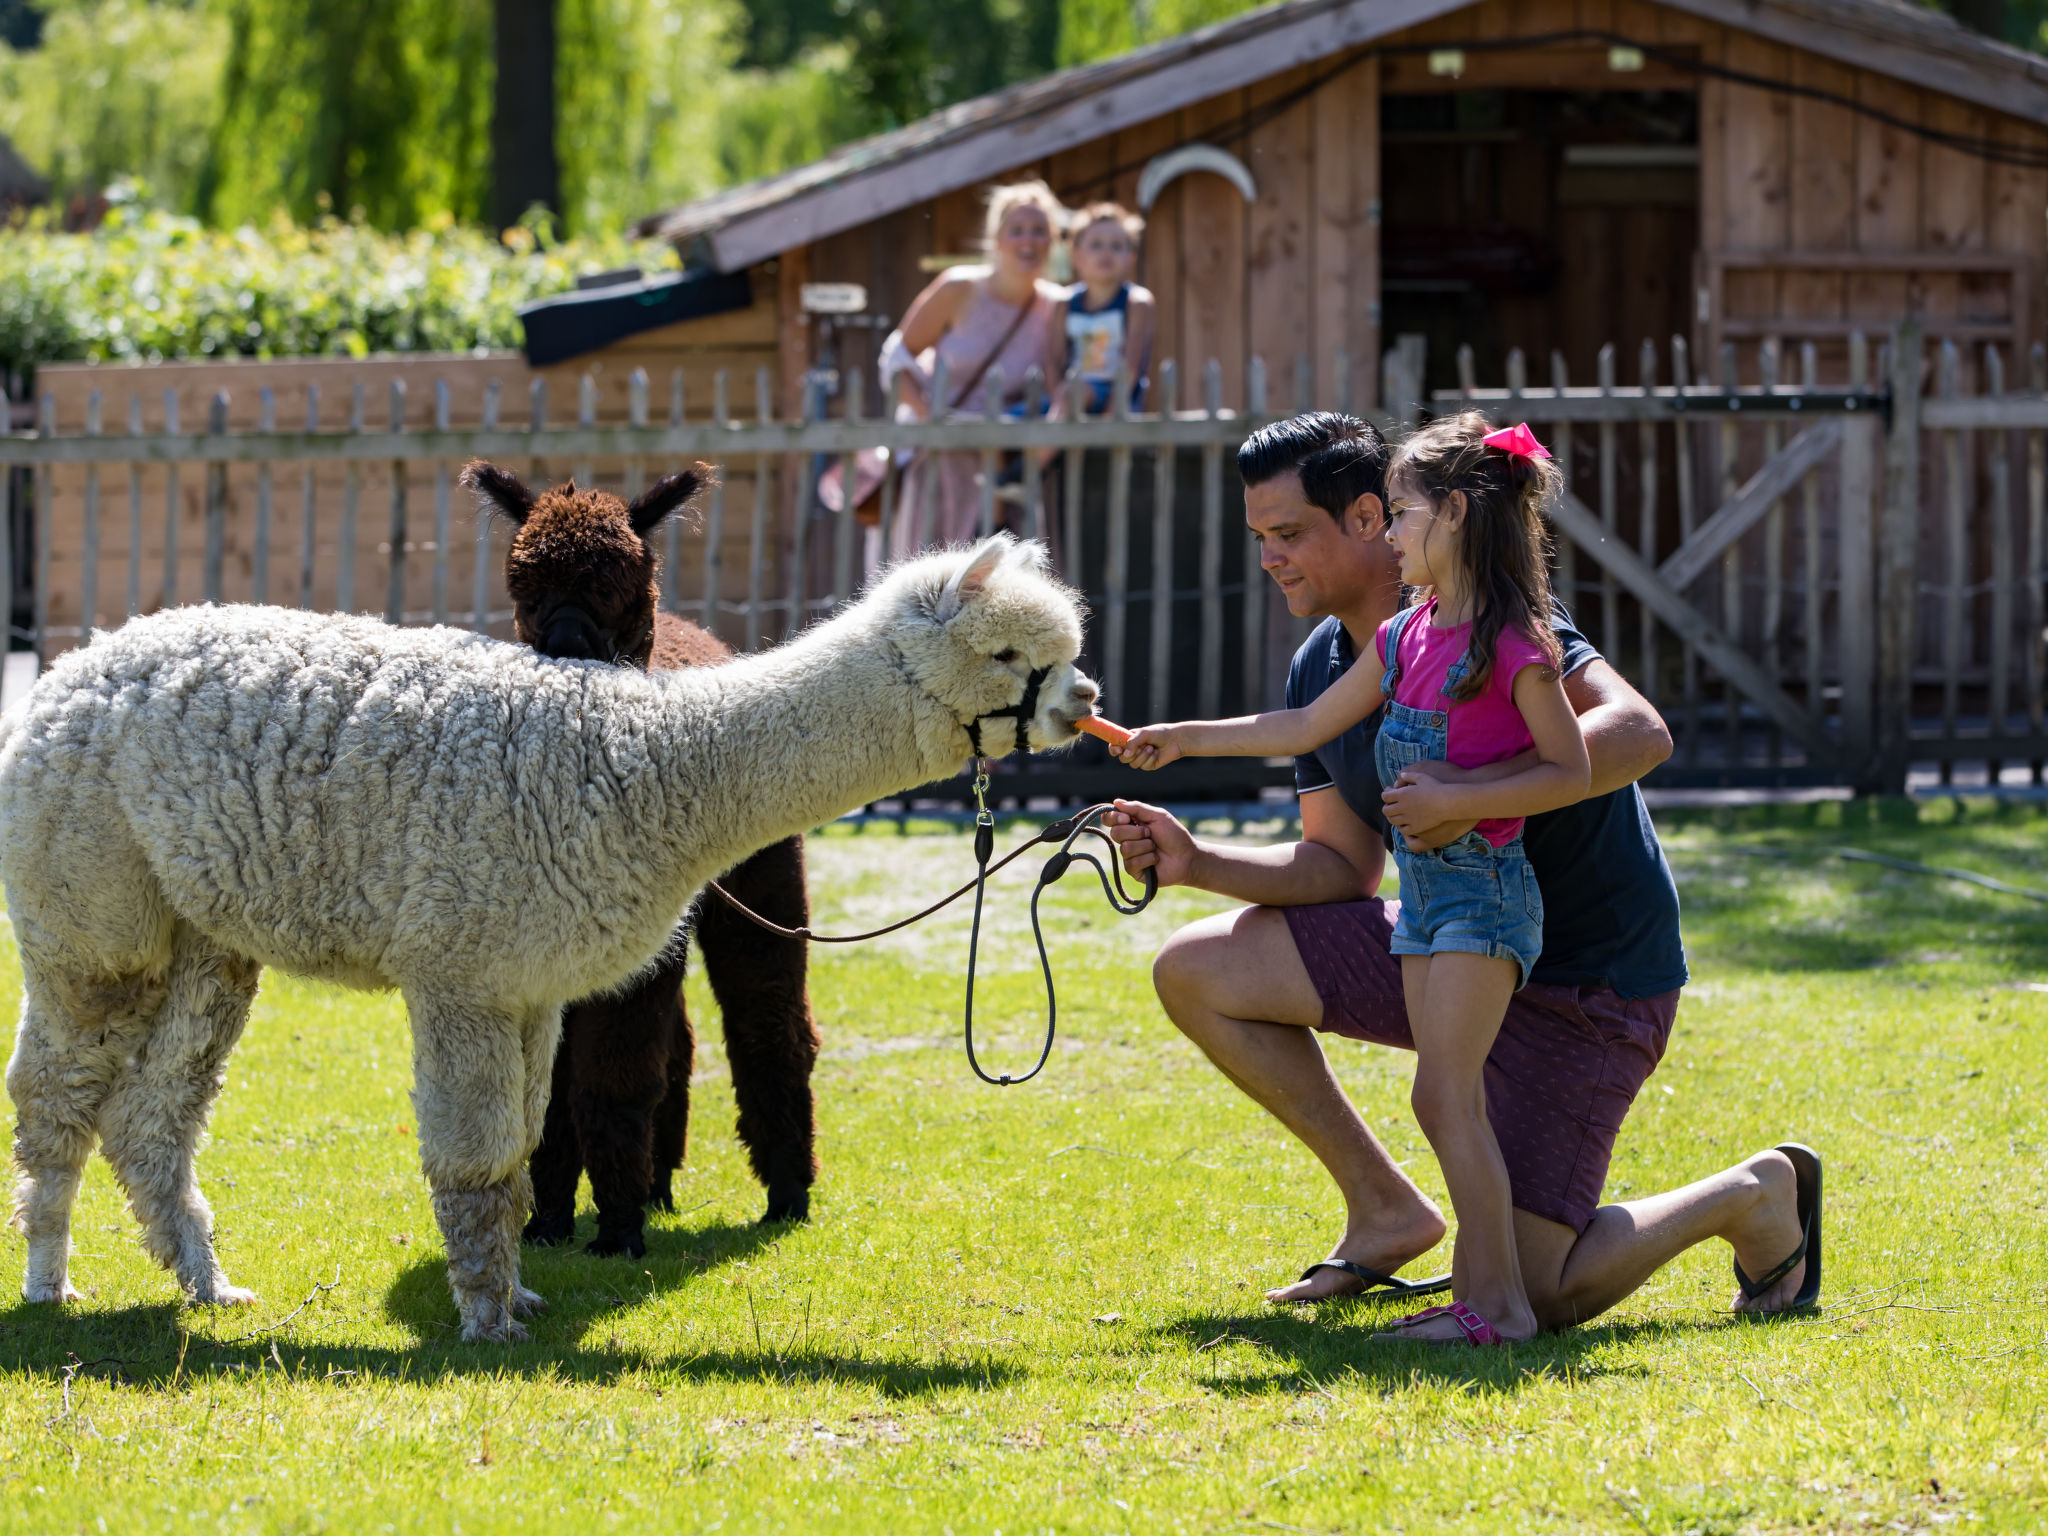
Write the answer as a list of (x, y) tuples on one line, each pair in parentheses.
[(1040, 1308)]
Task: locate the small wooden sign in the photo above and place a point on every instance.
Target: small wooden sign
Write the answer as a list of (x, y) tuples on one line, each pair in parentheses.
[(834, 298)]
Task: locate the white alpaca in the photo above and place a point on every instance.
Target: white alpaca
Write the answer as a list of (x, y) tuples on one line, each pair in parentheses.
[(213, 790)]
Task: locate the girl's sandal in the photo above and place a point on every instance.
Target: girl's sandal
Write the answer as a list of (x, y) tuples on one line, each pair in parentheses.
[(1477, 1329)]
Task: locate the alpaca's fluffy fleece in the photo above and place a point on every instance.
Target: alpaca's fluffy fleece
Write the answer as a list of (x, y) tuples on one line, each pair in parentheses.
[(211, 790)]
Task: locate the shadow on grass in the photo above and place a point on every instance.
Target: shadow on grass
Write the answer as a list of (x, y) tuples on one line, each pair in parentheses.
[(145, 1348), (154, 1345), (1306, 1349), (581, 1289)]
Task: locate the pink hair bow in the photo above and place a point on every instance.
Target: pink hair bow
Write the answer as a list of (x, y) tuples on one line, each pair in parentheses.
[(1517, 441)]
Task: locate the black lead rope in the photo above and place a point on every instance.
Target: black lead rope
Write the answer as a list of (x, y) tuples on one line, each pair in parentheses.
[(1066, 833)]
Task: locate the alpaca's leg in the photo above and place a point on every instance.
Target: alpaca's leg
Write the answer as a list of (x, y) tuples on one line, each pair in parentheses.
[(621, 1072), (759, 979), (74, 1039), (540, 1038), (472, 1098), (155, 1115), (557, 1163), (672, 1114)]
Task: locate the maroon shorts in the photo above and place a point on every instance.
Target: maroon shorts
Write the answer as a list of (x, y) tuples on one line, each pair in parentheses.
[(1566, 1066)]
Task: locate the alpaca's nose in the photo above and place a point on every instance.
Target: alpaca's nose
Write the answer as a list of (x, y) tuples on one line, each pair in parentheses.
[(572, 636), (1085, 691)]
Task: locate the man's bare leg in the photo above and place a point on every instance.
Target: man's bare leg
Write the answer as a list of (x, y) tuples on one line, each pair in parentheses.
[(1574, 1276), (1235, 985)]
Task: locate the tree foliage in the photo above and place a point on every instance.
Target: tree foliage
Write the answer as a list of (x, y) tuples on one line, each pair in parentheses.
[(1096, 29), (113, 88), (148, 284)]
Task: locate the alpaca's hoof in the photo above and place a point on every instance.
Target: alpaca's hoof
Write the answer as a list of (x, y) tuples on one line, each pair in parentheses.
[(609, 1244), (787, 1205), (491, 1322), (547, 1231), (221, 1294), (662, 1198), (49, 1290), (527, 1303)]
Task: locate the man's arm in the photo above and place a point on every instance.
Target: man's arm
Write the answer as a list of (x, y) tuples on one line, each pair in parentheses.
[(1625, 739), (1339, 858)]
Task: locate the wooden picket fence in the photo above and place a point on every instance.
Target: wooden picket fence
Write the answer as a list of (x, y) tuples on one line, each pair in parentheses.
[(1818, 582)]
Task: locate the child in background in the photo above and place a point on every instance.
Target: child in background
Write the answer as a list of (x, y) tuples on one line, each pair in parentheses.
[(1107, 320), (1469, 676)]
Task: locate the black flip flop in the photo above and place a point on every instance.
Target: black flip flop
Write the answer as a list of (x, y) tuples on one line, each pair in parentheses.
[(1806, 1167), (1375, 1282)]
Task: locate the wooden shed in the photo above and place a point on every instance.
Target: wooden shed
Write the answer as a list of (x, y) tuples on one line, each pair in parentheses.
[(1541, 174)]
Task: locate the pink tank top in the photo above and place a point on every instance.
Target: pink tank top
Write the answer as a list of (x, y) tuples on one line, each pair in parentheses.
[(975, 335)]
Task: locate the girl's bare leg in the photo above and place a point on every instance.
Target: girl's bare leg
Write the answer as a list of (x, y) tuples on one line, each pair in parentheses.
[(1455, 1006)]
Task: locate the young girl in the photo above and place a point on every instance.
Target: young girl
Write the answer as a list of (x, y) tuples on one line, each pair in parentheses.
[(1468, 676), (1107, 319)]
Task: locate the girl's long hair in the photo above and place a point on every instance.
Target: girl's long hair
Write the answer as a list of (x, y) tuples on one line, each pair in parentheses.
[(1503, 546)]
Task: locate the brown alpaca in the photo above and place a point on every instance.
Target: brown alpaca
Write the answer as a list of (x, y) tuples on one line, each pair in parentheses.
[(582, 577)]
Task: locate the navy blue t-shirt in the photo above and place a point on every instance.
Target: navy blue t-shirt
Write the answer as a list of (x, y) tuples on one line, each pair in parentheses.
[(1610, 909)]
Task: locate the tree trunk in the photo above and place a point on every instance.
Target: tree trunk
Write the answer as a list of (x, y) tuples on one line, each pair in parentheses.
[(524, 170)]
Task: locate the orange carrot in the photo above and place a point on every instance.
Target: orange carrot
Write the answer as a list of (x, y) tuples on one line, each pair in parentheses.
[(1108, 730)]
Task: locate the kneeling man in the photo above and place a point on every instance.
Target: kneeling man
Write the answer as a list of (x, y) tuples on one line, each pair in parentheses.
[(1311, 954)]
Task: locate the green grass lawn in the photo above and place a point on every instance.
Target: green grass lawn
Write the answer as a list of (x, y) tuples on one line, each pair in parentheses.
[(1040, 1308)]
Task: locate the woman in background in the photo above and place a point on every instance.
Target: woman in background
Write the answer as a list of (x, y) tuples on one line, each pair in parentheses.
[(979, 318)]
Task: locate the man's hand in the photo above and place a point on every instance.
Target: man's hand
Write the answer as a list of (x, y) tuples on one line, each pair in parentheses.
[(1417, 801), (1421, 835), (1149, 838)]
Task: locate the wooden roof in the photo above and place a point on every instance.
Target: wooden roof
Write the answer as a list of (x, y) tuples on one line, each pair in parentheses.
[(975, 140)]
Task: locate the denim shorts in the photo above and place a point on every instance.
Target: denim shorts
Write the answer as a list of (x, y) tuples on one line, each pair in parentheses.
[(1471, 898)]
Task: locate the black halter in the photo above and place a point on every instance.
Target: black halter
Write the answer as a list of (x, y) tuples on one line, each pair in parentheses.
[(1021, 711)]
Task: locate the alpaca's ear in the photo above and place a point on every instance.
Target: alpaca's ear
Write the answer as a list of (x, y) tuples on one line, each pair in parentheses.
[(666, 495), (983, 561), (498, 488)]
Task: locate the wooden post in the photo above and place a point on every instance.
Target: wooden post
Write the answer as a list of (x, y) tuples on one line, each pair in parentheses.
[(442, 518), (134, 604), (2037, 557), (1561, 450), (394, 586), (993, 389), (1898, 574), (170, 581), (1034, 471), (1160, 703), (215, 553), (1688, 489), (1728, 464), (1646, 522), (89, 535), (1252, 664), (714, 519), (311, 494), (757, 530), (2000, 573), (672, 530), (1955, 457), (1610, 511), (582, 471), (46, 528), (1209, 675), (259, 570), (1814, 588), (799, 578), (1769, 357), (853, 407), (480, 574), (1116, 570), (1855, 613), (636, 416), (351, 493), (1075, 486)]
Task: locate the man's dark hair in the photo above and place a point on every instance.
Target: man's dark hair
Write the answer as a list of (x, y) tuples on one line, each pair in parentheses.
[(1339, 458)]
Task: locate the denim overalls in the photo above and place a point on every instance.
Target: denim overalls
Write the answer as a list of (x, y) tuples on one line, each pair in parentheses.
[(1467, 896)]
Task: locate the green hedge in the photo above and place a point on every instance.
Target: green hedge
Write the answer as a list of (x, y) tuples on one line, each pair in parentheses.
[(149, 285)]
